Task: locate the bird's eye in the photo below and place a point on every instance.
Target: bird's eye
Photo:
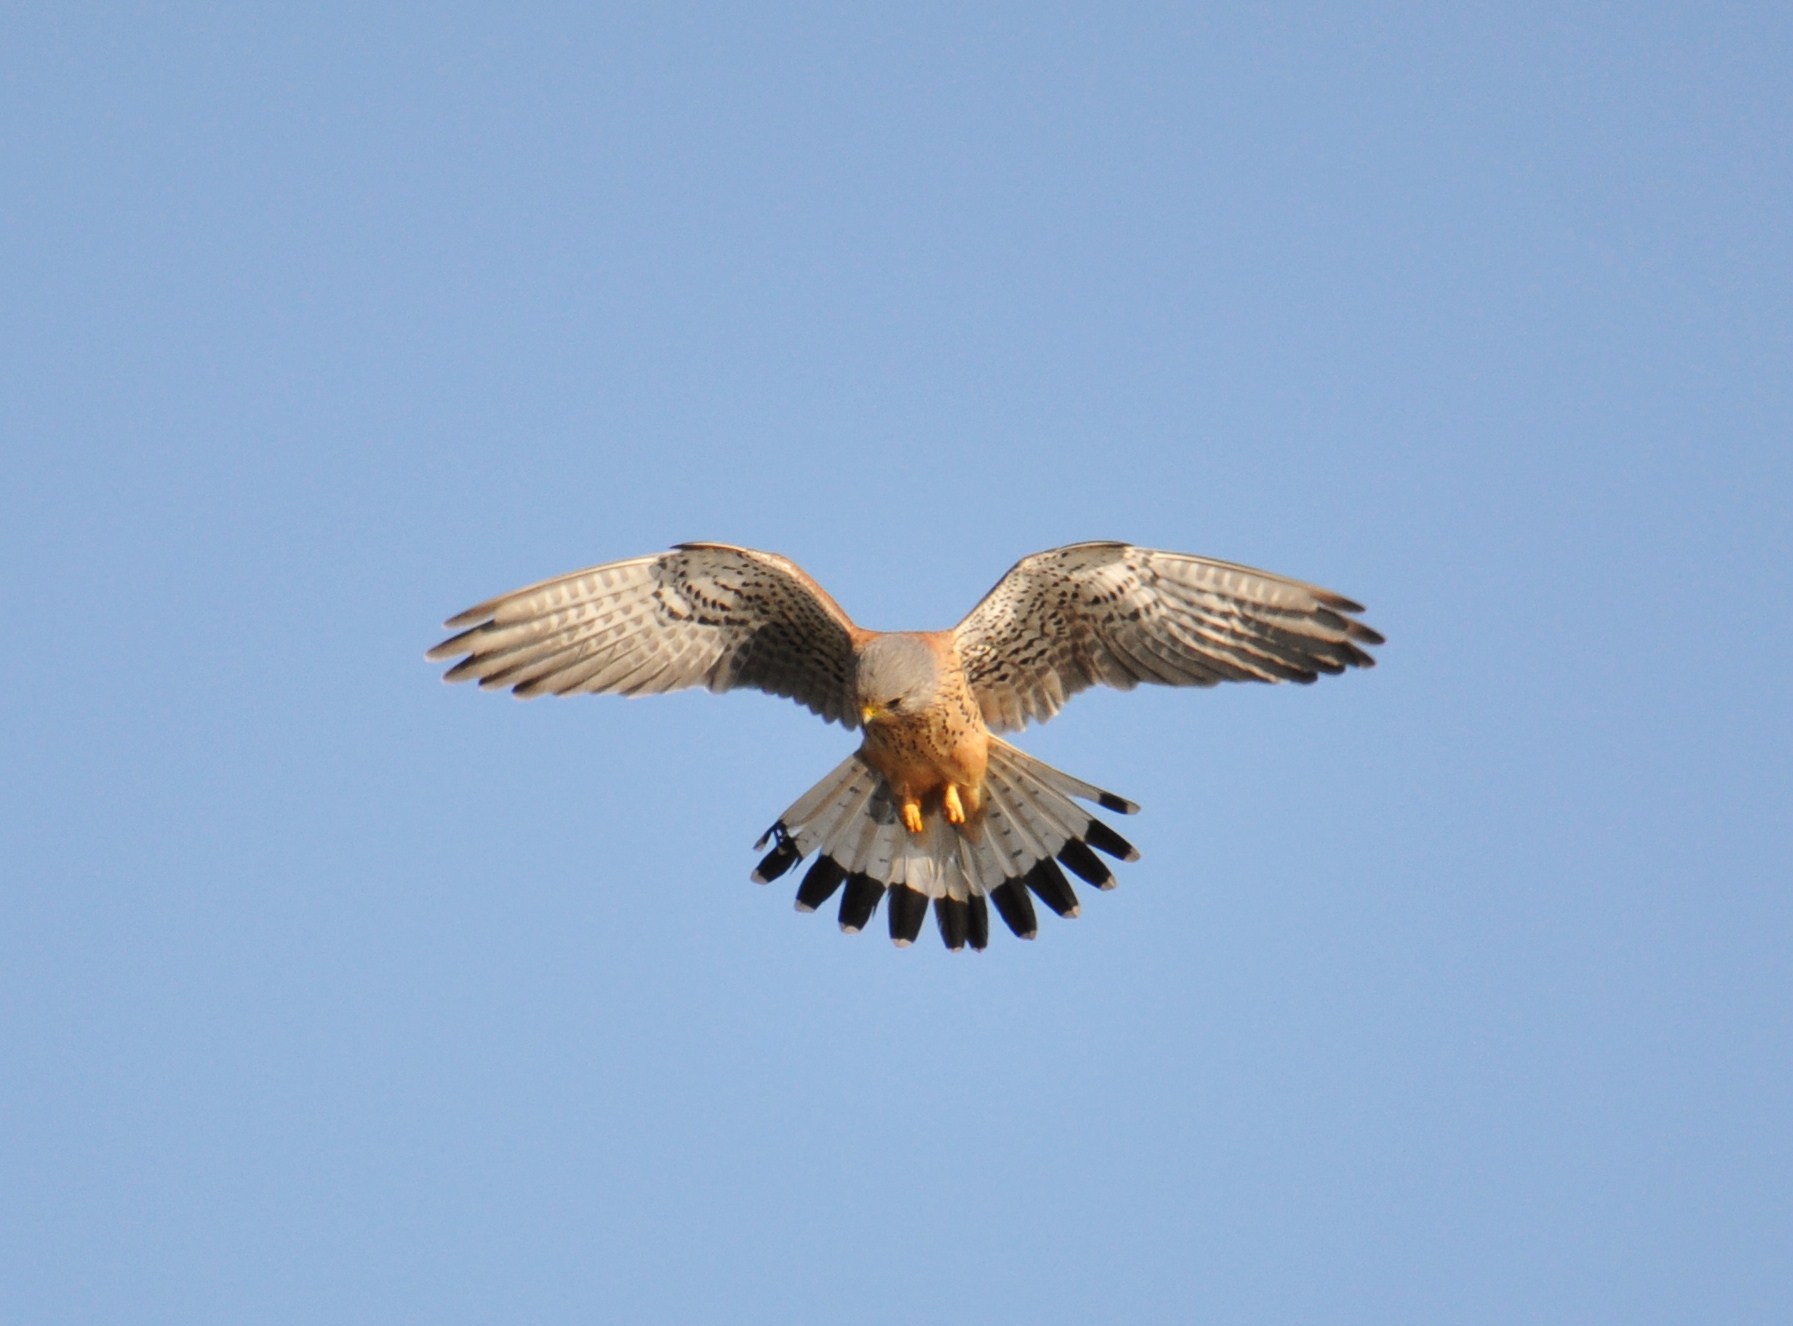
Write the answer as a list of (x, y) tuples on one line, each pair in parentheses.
[(894, 704)]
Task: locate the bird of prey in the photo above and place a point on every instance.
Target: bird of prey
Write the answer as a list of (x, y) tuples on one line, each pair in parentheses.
[(933, 807)]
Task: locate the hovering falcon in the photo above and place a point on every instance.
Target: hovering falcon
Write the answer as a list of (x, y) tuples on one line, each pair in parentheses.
[(933, 806)]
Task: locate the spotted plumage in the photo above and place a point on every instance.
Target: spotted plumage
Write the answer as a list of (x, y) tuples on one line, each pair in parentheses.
[(933, 809)]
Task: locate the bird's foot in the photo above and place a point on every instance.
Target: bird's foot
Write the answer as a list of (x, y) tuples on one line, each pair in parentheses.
[(955, 808), (912, 816)]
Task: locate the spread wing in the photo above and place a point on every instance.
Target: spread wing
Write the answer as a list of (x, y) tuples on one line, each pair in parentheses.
[(703, 614), (1063, 620)]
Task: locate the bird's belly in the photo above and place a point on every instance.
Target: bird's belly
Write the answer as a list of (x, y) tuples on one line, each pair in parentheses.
[(917, 764)]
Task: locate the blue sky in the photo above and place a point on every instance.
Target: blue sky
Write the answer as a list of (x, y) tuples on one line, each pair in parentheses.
[(1452, 991)]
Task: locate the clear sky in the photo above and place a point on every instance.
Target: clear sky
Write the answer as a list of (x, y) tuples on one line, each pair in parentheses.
[(1454, 991)]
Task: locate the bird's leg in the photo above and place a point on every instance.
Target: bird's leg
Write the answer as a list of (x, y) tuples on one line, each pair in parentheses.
[(912, 815), (955, 809)]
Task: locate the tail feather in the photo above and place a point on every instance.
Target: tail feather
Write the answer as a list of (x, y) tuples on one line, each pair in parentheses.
[(883, 854), (1016, 908), (982, 863), (1051, 887), (1063, 782), (954, 918), (813, 817), (978, 867), (1034, 830), (979, 931), (858, 901), (1085, 864), (908, 909), (819, 883), (1006, 826), (1105, 839), (1028, 824)]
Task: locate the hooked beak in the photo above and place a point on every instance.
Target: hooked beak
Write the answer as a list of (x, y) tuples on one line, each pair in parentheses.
[(871, 713)]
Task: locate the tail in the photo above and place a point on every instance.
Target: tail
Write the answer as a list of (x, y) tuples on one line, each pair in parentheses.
[(1028, 828)]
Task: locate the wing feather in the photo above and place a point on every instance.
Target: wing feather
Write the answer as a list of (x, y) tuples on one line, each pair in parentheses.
[(702, 614), (1109, 613)]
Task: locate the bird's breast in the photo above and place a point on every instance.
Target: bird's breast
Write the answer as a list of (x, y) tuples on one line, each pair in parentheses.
[(920, 753)]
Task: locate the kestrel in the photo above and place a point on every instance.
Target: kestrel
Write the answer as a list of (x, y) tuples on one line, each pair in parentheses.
[(933, 806)]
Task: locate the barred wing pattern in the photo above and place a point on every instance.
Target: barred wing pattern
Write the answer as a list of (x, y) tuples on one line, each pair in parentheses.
[(1062, 621), (703, 614)]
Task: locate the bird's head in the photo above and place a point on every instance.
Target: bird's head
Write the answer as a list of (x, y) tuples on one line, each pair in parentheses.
[(896, 676)]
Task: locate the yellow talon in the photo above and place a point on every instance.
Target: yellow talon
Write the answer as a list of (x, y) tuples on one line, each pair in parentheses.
[(912, 816), (955, 809)]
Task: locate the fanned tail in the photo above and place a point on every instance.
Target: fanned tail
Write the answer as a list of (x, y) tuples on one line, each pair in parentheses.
[(1017, 848)]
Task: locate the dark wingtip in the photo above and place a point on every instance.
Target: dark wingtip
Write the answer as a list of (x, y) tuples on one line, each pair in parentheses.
[(477, 615), (1119, 805)]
